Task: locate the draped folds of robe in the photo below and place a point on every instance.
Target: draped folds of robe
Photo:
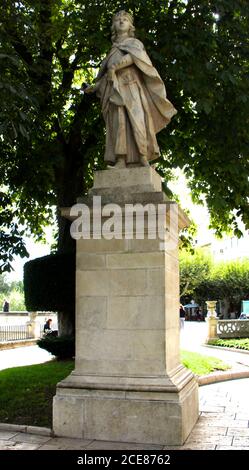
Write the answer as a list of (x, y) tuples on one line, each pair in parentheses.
[(134, 104)]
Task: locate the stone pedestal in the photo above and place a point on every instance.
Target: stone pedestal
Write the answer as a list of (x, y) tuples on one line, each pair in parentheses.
[(212, 329), (128, 384), (212, 320), (34, 329)]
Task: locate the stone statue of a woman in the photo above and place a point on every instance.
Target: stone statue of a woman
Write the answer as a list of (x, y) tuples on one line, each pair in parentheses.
[(133, 98)]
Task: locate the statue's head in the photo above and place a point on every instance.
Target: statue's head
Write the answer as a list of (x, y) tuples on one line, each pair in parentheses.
[(122, 22)]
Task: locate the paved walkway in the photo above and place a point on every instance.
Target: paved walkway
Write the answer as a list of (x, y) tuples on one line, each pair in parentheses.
[(23, 356), (223, 425), (193, 339)]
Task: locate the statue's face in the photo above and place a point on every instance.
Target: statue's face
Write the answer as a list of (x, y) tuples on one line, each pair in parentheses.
[(122, 24)]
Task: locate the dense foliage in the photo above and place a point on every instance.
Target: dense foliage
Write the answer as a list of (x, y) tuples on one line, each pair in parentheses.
[(49, 285), (228, 280), (12, 291), (63, 347), (194, 269), (51, 134), (49, 282), (203, 279), (238, 343)]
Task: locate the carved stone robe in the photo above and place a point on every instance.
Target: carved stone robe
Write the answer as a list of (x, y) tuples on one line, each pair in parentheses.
[(134, 104)]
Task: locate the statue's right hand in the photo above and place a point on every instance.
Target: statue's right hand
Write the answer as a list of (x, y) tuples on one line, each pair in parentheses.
[(89, 89), (111, 73)]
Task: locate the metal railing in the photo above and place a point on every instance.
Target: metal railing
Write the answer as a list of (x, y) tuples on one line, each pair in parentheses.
[(14, 333)]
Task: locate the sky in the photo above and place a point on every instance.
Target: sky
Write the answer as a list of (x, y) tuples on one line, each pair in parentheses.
[(197, 212), (35, 250), (179, 186)]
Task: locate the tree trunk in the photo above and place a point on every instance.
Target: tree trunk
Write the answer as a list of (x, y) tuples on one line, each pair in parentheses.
[(66, 323), (226, 305), (69, 187)]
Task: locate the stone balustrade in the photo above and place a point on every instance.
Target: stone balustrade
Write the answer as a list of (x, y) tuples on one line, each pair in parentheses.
[(20, 318), (232, 328), (16, 326)]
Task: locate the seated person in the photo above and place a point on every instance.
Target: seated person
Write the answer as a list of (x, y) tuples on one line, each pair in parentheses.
[(47, 327)]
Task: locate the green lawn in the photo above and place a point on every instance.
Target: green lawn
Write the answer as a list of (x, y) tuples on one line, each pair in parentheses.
[(26, 392), (201, 365), (239, 343)]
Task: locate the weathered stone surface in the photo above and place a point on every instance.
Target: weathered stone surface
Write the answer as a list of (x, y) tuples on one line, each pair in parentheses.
[(12, 445), (138, 179), (138, 312), (93, 313), (137, 418), (238, 432), (87, 261), (204, 432), (241, 441), (32, 438), (39, 430), (105, 445), (5, 435), (210, 439), (135, 260), (68, 416), (66, 443), (12, 427), (128, 384), (231, 448)]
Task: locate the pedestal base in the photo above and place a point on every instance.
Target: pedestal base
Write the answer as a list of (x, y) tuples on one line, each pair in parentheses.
[(146, 410), (128, 384)]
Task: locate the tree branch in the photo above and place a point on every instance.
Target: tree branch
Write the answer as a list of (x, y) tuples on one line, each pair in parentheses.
[(185, 288), (68, 69), (45, 27), (78, 121), (18, 44)]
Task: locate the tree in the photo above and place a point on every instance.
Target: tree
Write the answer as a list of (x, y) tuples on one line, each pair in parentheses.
[(194, 270), (231, 279), (202, 279), (13, 291), (4, 285), (51, 135)]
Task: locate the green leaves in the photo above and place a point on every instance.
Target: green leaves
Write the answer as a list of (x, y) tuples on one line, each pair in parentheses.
[(203, 279), (52, 137), (194, 269)]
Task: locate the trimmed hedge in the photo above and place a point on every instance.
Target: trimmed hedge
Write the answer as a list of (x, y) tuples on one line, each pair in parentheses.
[(63, 347), (237, 343), (49, 283)]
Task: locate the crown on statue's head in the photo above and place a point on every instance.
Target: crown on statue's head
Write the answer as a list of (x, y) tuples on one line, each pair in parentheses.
[(124, 13)]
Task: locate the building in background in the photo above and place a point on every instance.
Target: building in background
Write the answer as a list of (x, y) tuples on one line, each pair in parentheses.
[(227, 248)]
